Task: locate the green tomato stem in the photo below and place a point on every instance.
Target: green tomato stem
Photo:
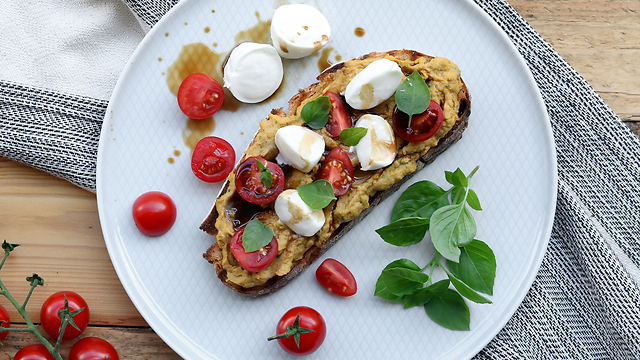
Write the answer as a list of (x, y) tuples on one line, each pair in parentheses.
[(6, 255), (33, 286), (30, 326)]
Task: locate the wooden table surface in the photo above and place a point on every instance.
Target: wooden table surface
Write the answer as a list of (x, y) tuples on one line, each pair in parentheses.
[(58, 227)]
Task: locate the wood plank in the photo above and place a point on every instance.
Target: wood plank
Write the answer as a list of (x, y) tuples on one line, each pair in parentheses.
[(58, 227), (130, 343)]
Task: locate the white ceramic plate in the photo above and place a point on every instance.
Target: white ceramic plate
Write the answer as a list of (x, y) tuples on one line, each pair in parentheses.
[(177, 291)]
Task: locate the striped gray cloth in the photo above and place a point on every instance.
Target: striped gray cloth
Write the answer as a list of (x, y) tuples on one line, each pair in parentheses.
[(585, 301)]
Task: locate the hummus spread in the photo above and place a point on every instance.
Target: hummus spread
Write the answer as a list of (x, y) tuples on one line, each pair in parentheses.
[(443, 79)]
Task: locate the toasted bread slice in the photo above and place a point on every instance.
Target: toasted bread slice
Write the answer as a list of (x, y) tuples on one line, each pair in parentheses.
[(458, 103)]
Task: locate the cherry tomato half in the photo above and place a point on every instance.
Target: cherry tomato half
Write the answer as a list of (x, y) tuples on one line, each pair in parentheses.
[(93, 348), (51, 320), (4, 315), (337, 169), (423, 126), (309, 319), (200, 96), (154, 213), (213, 159), (339, 116), (34, 352), (256, 260), (249, 185), (336, 278)]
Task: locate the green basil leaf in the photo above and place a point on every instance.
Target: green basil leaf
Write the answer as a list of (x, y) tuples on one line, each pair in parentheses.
[(476, 268), (265, 174), (413, 95), (423, 295), (256, 235), (352, 136), (452, 226), (381, 286), (457, 195), (401, 281), (473, 201), (457, 178), (420, 199), (317, 194), (449, 310), (315, 113), (404, 232), (466, 291)]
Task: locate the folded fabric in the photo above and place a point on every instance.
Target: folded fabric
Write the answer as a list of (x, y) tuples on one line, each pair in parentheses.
[(585, 301)]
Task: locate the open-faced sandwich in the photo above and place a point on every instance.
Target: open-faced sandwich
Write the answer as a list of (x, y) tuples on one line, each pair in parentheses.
[(365, 127)]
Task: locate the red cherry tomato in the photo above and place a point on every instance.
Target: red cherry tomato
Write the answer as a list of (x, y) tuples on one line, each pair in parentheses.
[(200, 96), (51, 320), (4, 315), (337, 169), (213, 159), (154, 213), (34, 352), (336, 278), (339, 117), (423, 126), (309, 319), (256, 260), (93, 348), (249, 185)]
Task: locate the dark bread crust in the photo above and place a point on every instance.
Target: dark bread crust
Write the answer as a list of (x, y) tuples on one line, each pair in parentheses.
[(214, 253)]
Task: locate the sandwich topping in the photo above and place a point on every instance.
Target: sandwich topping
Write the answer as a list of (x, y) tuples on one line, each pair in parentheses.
[(380, 157)]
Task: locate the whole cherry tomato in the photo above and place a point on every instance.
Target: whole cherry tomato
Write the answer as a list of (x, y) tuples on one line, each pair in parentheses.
[(93, 348), (250, 186), (4, 316), (337, 169), (154, 213), (307, 319), (34, 352), (336, 278), (50, 318), (256, 260), (212, 159), (423, 126), (339, 116), (200, 96)]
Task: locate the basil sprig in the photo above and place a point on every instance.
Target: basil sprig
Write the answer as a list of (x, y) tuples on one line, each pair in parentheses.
[(317, 194), (352, 136), (265, 174), (256, 235), (413, 95), (470, 263), (315, 113)]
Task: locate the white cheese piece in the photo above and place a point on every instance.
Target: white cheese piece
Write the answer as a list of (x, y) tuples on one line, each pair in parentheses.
[(297, 215), (253, 72), (374, 84), (298, 30), (377, 148), (299, 147)]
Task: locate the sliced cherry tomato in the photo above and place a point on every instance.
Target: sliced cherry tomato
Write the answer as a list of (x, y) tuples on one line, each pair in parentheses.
[(34, 352), (256, 260), (213, 159), (93, 348), (336, 278), (250, 186), (337, 169), (154, 213), (423, 126), (50, 318), (4, 316), (200, 96), (309, 341), (339, 117)]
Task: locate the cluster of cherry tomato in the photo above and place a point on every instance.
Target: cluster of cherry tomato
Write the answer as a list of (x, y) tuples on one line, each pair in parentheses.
[(87, 348)]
